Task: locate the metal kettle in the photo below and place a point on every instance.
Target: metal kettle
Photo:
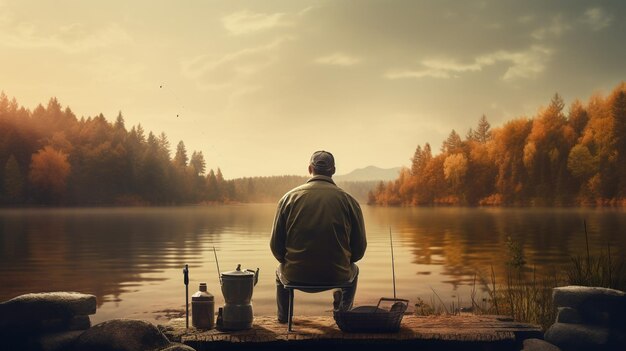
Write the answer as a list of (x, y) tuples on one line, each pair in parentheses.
[(237, 288), (237, 285)]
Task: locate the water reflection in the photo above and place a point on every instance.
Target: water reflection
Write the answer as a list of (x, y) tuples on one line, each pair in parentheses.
[(465, 241), (131, 258)]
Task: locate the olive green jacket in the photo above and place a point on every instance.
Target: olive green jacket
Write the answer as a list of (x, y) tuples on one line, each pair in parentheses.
[(318, 233)]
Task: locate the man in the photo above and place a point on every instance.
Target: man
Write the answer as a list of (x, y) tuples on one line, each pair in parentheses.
[(318, 235)]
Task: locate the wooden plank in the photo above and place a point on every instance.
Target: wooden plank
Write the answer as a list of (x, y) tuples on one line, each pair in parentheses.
[(463, 328)]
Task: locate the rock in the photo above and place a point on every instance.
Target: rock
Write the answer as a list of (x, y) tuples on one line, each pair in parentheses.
[(39, 342), (58, 341), (538, 345), (57, 325), (568, 315), (572, 296), (178, 347), (45, 306), (599, 306), (49, 325), (122, 335), (573, 337)]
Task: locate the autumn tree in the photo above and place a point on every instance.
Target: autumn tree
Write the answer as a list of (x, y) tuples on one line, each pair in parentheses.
[(581, 164), (512, 179), (598, 136), (49, 170), (578, 117), (454, 170), (618, 112), (546, 152)]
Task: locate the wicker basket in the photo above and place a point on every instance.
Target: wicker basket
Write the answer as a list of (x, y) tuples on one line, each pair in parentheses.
[(372, 319)]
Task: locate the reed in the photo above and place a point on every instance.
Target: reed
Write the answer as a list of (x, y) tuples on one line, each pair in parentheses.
[(525, 294), (526, 297), (598, 270)]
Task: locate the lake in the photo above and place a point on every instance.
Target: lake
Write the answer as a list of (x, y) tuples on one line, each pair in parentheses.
[(132, 258)]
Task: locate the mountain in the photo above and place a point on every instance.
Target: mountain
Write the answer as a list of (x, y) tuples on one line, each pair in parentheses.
[(369, 173)]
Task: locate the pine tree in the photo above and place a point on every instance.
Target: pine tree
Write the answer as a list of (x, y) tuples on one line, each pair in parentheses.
[(119, 122), (416, 161), (180, 159), (197, 163), (452, 144), (483, 132)]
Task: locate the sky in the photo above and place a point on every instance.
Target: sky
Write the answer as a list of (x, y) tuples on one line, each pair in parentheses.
[(258, 86)]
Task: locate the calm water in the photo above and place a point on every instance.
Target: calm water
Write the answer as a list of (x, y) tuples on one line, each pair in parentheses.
[(132, 258)]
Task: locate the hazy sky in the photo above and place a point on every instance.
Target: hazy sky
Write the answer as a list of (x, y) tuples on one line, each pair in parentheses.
[(259, 85)]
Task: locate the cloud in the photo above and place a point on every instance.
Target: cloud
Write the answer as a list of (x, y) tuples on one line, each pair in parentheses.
[(525, 64), (215, 73), (338, 59), (71, 38), (417, 74), (597, 18), (556, 28), (245, 22), (522, 64)]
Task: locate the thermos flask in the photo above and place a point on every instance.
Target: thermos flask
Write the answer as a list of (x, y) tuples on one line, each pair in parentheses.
[(202, 309)]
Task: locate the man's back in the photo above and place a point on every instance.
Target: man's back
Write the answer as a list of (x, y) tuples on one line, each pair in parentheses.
[(318, 233)]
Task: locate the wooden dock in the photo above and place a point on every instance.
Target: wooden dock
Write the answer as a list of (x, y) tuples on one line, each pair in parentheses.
[(461, 332)]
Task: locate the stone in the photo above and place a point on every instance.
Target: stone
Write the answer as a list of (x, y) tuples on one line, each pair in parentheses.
[(58, 325), (597, 306), (539, 345), (122, 335), (573, 296), (574, 337), (568, 315), (178, 347), (58, 341), (48, 325), (45, 306), (24, 341)]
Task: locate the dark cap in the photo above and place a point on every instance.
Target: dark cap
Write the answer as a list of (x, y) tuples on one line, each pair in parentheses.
[(322, 161)]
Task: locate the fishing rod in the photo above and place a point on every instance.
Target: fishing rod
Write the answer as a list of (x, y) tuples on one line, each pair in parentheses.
[(393, 265), (219, 275)]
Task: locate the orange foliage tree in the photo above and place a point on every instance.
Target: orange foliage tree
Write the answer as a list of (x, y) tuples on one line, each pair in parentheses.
[(49, 169), (553, 158)]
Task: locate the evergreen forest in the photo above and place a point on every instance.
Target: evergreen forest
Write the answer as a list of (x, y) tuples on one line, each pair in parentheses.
[(49, 157)]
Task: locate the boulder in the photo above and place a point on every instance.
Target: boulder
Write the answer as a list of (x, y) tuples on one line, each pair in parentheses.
[(24, 341), (178, 347), (45, 306), (47, 326), (122, 335), (574, 337), (57, 341), (568, 315), (573, 296), (599, 306), (538, 345)]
